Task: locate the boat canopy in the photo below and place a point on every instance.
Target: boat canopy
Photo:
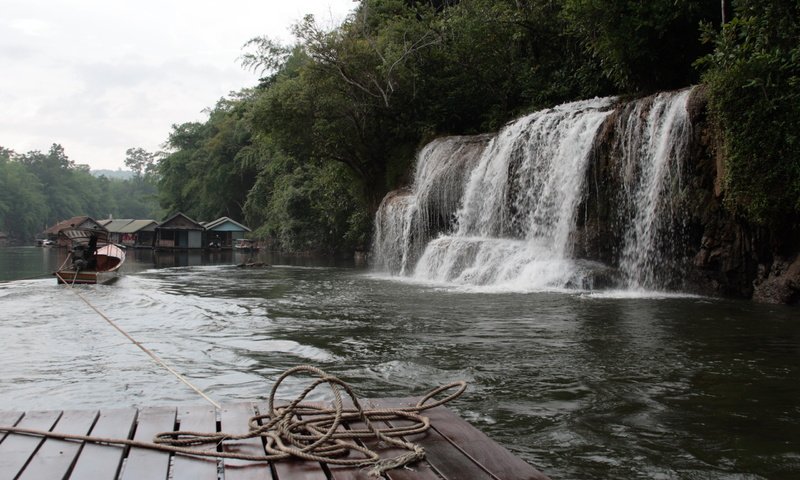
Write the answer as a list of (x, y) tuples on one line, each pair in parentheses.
[(82, 236)]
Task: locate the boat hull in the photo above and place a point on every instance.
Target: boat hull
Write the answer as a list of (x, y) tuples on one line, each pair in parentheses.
[(72, 277)]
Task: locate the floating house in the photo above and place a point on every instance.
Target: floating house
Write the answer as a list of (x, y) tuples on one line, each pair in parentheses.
[(139, 233), (224, 231), (113, 225), (130, 232), (179, 232)]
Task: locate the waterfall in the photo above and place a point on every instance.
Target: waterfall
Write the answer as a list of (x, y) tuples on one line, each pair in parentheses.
[(407, 220), (655, 136), (500, 211)]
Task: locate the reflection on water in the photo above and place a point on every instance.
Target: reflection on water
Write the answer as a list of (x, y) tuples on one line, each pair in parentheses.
[(25, 263), (581, 386)]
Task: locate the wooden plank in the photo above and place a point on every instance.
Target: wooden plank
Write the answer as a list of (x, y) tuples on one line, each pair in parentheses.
[(444, 459), (345, 472), (478, 446), (475, 446), (454, 448), (16, 449), (145, 463), (102, 462), (420, 470), (234, 419), (296, 469), (196, 419), (417, 471), (55, 457), (8, 419)]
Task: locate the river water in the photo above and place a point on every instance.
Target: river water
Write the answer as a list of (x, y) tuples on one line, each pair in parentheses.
[(581, 385)]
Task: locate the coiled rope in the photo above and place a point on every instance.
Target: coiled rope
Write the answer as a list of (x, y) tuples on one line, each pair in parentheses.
[(303, 431)]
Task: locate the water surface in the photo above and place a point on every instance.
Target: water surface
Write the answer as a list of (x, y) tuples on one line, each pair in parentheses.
[(581, 385)]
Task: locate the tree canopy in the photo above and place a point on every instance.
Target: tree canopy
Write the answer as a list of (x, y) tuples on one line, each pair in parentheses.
[(39, 189), (754, 81), (339, 115)]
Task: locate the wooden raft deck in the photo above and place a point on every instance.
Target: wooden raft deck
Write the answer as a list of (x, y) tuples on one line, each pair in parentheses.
[(454, 449)]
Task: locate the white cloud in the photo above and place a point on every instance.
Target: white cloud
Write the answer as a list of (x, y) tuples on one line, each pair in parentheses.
[(99, 77)]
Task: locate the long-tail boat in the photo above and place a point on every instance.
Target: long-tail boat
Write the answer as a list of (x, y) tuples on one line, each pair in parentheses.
[(92, 258)]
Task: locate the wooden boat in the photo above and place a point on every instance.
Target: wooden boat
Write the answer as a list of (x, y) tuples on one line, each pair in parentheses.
[(92, 258)]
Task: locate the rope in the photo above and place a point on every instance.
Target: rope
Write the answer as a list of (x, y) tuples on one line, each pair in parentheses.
[(319, 436), (146, 350)]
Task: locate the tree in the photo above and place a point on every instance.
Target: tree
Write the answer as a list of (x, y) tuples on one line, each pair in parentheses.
[(23, 207), (754, 88), (643, 46), (140, 161), (210, 169)]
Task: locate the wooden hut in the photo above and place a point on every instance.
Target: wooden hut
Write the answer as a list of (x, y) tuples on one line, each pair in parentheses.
[(139, 233), (223, 231), (114, 225), (179, 232)]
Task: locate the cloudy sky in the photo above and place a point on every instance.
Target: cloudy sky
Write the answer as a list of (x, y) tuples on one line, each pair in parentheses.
[(101, 76)]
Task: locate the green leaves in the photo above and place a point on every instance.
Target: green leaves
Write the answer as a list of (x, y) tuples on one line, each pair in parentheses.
[(643, 46), (264, 55), (334, 125), (754, 94), (209, 171), (37, 190)]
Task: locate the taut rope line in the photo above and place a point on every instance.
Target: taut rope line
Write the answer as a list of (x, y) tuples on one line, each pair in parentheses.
[(146, 350), (319, 436)]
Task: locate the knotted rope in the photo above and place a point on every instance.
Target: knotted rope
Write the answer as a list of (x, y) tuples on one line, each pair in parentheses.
[(306, 432)]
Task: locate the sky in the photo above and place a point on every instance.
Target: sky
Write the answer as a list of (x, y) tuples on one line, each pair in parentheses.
[(102, 76)]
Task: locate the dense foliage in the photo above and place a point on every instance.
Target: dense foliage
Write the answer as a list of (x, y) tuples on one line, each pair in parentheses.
[(643, 46), (307, 155), (40, 189), (754, 83)]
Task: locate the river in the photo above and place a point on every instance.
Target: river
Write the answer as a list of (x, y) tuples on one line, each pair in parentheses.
[(582, 385)]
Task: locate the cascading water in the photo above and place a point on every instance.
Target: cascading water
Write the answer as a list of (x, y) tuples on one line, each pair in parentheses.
[(501, 211), (407, 219), (517, 206), (653, 143)]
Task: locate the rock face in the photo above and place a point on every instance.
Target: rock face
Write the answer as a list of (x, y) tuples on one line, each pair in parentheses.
[(650, 214), (781, 284), (709, 250), (732, 257)]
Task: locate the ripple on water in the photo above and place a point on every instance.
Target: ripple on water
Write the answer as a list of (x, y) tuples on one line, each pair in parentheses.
[(583, 387), (414, 376), (255, 346)]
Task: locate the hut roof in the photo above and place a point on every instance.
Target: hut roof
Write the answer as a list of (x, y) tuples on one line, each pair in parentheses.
[(179, 221), (139, 226), (226, 224), (116, 225), (81, 221)]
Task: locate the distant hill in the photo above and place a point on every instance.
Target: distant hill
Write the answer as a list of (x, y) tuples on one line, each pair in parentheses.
[(119, 173)]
